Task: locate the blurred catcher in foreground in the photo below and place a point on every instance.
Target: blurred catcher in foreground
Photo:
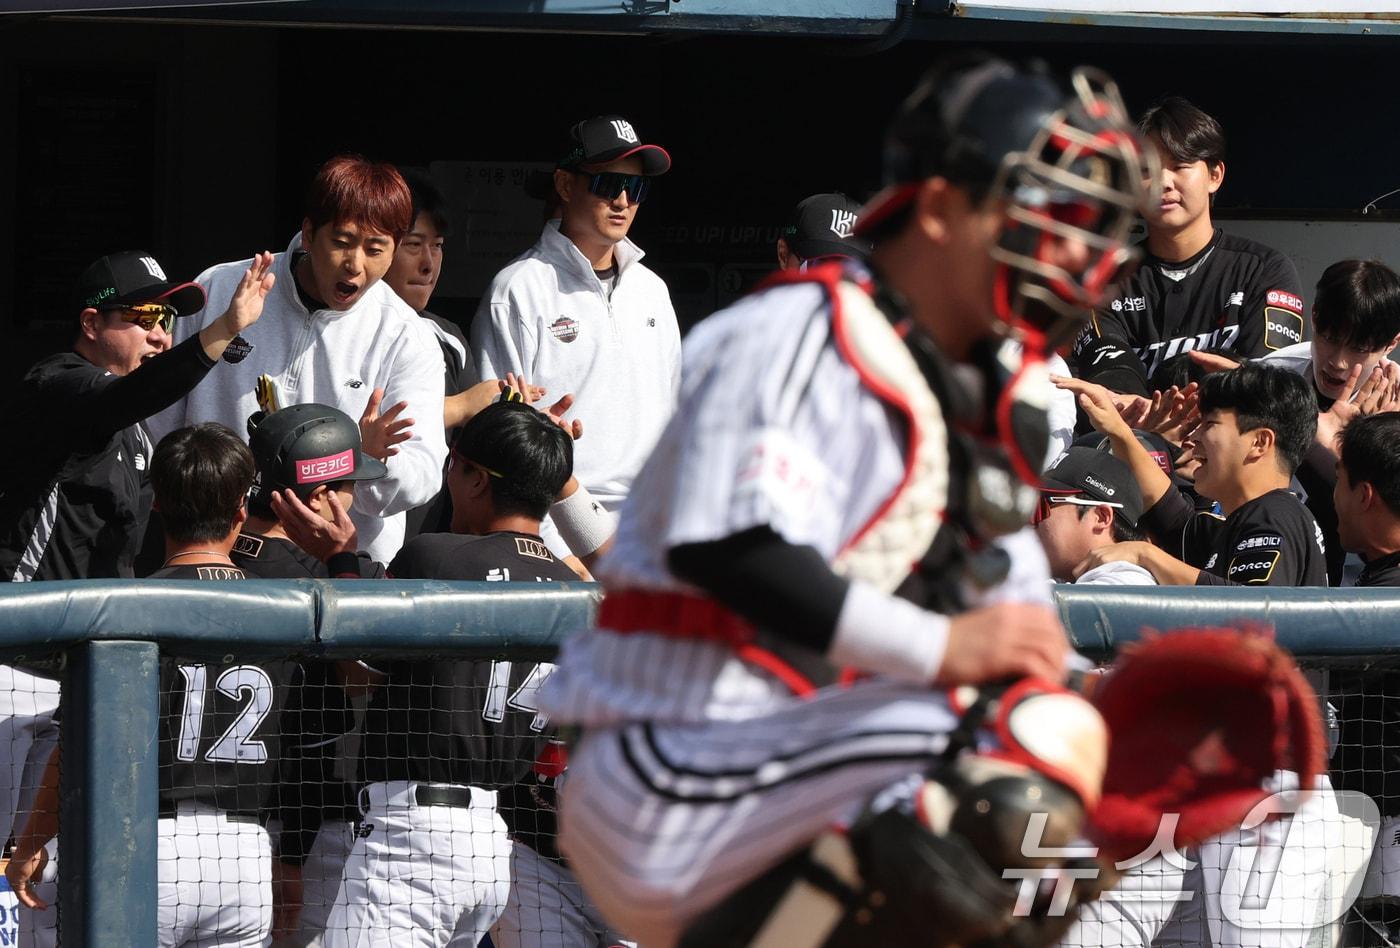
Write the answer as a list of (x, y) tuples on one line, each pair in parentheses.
[(836, 427)]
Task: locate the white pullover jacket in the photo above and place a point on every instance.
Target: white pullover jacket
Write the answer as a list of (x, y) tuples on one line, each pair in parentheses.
[(337, 359), (547, 317)]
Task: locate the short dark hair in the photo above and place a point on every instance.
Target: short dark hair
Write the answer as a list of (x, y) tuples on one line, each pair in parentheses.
[(1187, 133), (529, 456), (1123, 532), (1265, 396), (427, 199), (1370, 453), (352, 189), (200, 476), (1358, 304)]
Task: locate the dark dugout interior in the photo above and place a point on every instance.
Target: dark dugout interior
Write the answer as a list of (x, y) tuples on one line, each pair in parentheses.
[(195, 142)]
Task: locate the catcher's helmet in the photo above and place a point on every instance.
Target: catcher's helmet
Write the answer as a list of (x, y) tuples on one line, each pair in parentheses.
[(300, 447), (1067, 166)]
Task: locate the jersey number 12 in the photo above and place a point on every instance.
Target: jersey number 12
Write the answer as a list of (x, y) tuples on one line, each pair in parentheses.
[(236, 744)]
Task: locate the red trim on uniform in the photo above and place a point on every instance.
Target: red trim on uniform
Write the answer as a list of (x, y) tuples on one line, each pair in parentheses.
[(684, 616), (1012, 750), (798, 683), (885, 393), (673, 614)]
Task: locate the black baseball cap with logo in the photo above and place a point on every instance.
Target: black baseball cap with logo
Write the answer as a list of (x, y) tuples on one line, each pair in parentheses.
[(132, 277), (1094, 477), (605, 138), (824, 225)]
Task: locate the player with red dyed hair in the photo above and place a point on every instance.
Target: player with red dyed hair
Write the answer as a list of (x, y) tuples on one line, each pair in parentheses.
[(333, 332)]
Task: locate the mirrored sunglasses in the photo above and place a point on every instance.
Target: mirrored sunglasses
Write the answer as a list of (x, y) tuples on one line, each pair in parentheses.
[(609, 184), (148, 315)]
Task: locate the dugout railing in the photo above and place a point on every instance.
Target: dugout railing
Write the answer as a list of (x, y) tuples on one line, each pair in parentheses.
[(103, 639)]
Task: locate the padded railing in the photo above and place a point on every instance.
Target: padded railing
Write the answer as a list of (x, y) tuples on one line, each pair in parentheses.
[(104, 639)]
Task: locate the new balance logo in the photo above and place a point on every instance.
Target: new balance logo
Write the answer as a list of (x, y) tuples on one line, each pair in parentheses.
[(843, 223), (624, 131), (153, 268)]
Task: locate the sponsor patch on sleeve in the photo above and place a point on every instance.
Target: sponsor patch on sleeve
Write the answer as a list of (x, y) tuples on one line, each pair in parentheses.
[(1252, 566), (1284, 300), (1282, 328), (1264, 541)]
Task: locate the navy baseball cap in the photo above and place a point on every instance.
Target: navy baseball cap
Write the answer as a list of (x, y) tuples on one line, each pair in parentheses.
[(132, 277), (1097, 478), (824, 225), (605, 138)]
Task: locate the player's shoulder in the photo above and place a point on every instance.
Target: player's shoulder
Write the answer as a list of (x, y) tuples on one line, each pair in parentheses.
[(1278, 511), (1295, 358), (223, 274), (1247, 251), (780, 311)]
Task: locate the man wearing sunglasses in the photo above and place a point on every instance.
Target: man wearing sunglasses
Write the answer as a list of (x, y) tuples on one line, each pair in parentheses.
[(1089, 499), (74, 504), (820, 502), (580, 313)]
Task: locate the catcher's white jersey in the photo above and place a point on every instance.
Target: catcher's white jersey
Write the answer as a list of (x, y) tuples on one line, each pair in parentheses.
[(775, 428)]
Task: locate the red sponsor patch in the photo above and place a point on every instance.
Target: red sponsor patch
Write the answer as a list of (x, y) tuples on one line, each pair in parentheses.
[(1285, 299), (332, 467)]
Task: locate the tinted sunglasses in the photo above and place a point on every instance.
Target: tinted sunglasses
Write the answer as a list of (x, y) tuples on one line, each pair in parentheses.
[(148, 315), (609, 184), (1050, 501)]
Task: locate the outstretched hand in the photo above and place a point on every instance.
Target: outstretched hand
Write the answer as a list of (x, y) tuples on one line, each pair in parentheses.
[(247, 303), (381, 432), (312, 532), (558, 410), (1098, 403)]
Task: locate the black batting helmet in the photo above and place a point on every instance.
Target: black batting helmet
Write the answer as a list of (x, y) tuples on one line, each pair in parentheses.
[(300, 447)]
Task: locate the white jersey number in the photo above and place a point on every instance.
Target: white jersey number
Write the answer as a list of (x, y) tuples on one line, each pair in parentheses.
[(500, 699), (236, 744)]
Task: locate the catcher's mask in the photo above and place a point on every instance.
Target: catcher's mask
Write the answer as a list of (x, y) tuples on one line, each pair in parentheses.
[(1066, 168)]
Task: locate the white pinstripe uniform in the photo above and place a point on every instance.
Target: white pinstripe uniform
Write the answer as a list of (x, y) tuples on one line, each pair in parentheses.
[(699, 770)]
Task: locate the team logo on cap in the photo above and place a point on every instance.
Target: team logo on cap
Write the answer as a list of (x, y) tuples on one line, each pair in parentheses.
[(564, 329), (624, 131), (154, 269), (843, 223), (315, 470)]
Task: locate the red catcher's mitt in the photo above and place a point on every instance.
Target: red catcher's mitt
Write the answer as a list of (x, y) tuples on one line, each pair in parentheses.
[(1197, 719)]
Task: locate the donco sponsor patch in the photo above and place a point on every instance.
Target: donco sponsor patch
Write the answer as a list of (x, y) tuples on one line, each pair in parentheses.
[(1285, 299), (1255, 566), (564, 329), (1281, 328), (315, 470)]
